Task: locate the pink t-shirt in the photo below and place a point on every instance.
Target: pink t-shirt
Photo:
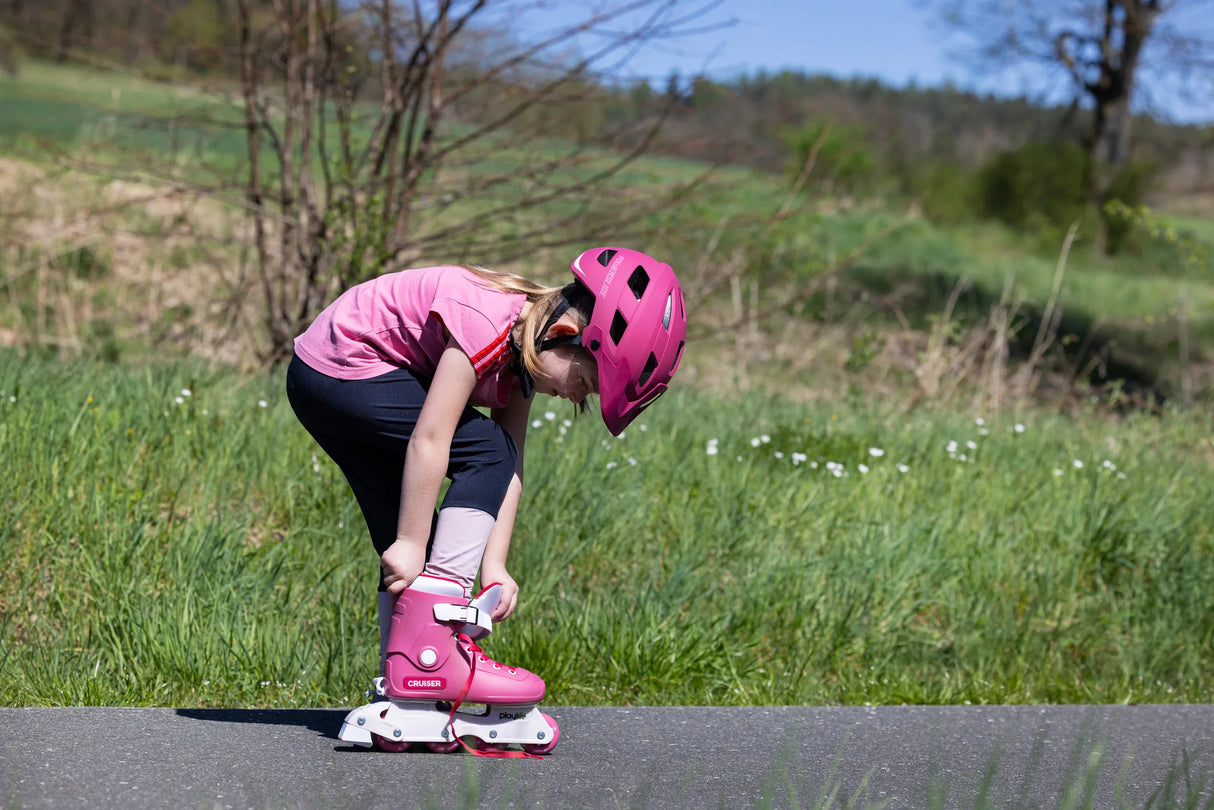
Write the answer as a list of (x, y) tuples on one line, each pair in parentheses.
[(397, 320)]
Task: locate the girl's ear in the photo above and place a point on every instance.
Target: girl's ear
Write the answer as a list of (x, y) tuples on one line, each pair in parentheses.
[(564, 327)]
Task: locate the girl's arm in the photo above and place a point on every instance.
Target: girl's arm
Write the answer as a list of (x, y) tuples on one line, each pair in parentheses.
[(426, 466), (513, 419)]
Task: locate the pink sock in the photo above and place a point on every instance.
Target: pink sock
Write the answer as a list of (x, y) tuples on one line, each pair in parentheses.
[(459, 543)]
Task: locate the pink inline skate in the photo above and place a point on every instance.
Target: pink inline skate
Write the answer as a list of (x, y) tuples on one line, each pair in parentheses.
[(434, 671)]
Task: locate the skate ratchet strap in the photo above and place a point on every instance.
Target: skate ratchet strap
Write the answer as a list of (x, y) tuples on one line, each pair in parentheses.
[(469, 616)]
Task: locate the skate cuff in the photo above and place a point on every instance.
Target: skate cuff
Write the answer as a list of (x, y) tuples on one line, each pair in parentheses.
[(468, 615)]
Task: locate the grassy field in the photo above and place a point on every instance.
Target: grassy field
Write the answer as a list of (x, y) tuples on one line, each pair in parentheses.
[(176, 541), (1148, 316), (853, 535)]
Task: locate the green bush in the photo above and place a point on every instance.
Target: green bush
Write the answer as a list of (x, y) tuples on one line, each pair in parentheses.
[(1039, 189), (946, 192), (1129, 187), (844, 161)]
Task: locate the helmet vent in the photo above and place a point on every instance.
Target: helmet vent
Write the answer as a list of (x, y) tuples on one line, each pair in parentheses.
[(618, 325), (606, 256), (666, 314), (638, 281), (650, 366)]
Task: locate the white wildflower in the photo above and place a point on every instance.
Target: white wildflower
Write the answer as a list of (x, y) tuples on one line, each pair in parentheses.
[(972, 445), (778, 454), (537, 423), (951, 447), (178, 400), (261, 403), (1018, 428), (1057, 472), (876, 452), (902, 468), (550, 416), (863, 468), (979, 421), (185, 392), (765, 438), (756, 441), (1077, 464), (798, 458)]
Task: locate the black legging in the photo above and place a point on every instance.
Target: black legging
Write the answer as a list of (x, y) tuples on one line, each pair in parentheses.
[(365, 425)]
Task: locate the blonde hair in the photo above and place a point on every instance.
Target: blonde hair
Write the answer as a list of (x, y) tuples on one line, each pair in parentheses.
[(543, 301)]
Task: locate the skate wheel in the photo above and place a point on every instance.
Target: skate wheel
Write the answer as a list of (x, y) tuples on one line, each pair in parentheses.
[(391, 746), (443, 747), (540, 749), (477, 744)]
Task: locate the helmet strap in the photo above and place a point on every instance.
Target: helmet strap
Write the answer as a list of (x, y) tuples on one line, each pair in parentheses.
[(526, 381)]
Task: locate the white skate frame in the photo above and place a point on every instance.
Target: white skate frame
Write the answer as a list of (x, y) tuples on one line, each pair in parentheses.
[(428, 721)]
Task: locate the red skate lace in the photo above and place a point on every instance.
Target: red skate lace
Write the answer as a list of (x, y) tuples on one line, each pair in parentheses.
[(475, 652)]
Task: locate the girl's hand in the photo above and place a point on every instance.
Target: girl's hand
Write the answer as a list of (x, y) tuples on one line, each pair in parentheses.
[(402, 562), (490, 575)]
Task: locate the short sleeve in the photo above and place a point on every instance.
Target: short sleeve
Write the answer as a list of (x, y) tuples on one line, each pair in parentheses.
[(485, 342)]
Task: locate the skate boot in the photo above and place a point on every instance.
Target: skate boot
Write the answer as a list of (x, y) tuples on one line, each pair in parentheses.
[(434, 670)]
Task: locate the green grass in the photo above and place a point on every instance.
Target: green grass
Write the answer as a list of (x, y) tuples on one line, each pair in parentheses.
[(118, 120), (193, 553)]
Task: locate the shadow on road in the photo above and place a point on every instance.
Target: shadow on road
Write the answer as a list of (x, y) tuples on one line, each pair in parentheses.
[(324, 722)]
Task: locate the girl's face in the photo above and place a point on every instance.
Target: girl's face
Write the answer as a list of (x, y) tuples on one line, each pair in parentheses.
[(568, 372)]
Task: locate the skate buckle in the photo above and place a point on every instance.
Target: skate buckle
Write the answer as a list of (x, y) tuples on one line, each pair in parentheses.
[(467, 615)]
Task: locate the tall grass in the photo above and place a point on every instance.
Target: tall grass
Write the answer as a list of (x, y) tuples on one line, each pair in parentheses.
[(181, 548)]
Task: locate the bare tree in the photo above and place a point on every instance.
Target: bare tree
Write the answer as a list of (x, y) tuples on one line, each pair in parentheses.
[(386, 132), (1100, 46)]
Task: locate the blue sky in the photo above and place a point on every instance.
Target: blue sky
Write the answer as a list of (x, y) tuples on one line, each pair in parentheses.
[(884, 38), (896, 41), (889, 39)]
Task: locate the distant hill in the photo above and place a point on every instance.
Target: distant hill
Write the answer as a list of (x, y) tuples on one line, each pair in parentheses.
[(746, 121)]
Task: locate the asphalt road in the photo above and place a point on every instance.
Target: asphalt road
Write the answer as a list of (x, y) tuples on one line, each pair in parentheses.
[(1026, 756)]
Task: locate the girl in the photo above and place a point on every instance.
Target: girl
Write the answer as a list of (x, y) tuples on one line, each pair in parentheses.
[(389, 376)]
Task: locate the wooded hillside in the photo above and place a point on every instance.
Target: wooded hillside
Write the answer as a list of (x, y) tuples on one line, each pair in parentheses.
[(750, 120)]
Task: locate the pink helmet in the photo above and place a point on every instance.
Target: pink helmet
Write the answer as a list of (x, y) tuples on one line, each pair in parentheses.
[(636, 330)]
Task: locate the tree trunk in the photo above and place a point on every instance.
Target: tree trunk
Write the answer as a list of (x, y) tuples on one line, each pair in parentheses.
[(1127, 24)]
